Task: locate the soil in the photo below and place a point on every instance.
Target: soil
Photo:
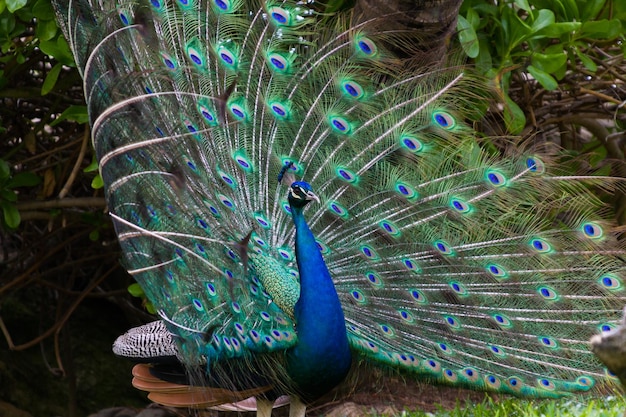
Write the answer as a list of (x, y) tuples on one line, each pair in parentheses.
[(391, 396)]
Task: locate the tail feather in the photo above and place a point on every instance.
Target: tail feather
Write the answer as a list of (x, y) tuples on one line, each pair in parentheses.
[(459, 260)]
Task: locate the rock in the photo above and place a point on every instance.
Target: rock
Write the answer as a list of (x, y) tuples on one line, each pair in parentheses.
[(610, 348), (151, 411), (116, 412), (348, 409), (155, 410)]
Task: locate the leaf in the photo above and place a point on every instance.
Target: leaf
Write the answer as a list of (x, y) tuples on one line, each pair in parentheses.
[(30, 142), (24, 179), (94, 235), (544, 18), (559, 74), (555, 30), (586, 61), (150, 307), (11, 215), (93, 166), (546, 80), (51, 79), (467, 37), (592, 8), (5, 169), (75, 113), (619, 8), (7, 25), (46, 30), (20, 58), (486, 9), (513, 116), (49, 183), (601, 29), (135, 290), (571, 11), (97, 182), (523, 4), (473, 18), (8, 195), (549, 62), (59, 49), (515, 29), (484, 63), (14, 5), (43, 10)]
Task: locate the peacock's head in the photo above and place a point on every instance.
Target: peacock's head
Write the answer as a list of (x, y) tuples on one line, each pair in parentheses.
[(300, 193)]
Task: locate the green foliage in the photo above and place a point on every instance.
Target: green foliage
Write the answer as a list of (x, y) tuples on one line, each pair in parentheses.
[(9, 183), (513, 407), (97, 181), (16, 16), (136, 291), (77, 114), (542, 38), (35, 86), (28, 28)]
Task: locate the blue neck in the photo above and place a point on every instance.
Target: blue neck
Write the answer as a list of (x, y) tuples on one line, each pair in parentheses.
[(321, 359)]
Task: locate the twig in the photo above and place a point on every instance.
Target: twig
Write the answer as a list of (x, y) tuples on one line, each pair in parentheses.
[(58, 325), (69, 312), (77, 164), (97, 202), (54, 151), (599, 95), (6, 334), (40, 261)]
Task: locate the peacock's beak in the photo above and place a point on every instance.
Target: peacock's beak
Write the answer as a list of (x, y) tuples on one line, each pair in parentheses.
[(310, 196)]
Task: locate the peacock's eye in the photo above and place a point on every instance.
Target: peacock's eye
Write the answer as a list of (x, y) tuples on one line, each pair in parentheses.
[(296, 192)]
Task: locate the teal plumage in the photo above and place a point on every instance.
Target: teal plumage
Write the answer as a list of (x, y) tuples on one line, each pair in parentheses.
[(454, 261)]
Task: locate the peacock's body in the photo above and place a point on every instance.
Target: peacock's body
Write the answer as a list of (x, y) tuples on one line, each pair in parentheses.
[(425, 250)]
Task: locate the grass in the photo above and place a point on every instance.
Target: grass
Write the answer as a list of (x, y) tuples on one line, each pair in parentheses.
[(607, 407)]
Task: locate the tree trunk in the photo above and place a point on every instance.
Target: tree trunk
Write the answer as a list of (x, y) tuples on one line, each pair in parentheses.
[(431, 22)]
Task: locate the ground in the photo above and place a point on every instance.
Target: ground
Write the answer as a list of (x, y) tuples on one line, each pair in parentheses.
[(392, 395), (376, 396)]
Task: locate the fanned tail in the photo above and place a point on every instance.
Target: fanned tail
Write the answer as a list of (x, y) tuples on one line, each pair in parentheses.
[(455, 260)]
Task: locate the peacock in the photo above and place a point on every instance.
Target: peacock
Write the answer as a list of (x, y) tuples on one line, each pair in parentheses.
[(297, 198)]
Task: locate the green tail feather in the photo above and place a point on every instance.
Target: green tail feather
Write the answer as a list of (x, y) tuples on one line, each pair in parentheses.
[(453, 262)]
